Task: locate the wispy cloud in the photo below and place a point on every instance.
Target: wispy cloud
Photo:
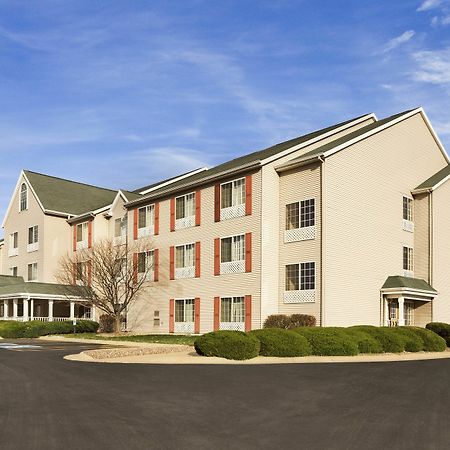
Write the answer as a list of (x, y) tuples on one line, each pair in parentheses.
[(399, 40), (433, 66), (429, 4)]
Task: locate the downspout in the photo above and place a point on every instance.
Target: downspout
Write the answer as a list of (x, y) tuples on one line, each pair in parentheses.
[(430, 243), (322, 160)]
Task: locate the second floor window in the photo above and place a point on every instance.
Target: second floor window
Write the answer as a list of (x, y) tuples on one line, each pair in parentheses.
[(407, 208), (301, 277), (82, 235), (32, 271), (408, 259), (13, 271), (23, 197), (232, 249), (146, 264), (184, 256), (33, 235), (233, 194), (120, 230), (146, 220), (13, 249), (185, 207), (300, 214)]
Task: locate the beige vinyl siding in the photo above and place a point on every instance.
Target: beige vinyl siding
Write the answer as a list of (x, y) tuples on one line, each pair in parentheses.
[(157, 295), (363, 240), (422, 313), (421, 236), (441, 252), (296, 185)]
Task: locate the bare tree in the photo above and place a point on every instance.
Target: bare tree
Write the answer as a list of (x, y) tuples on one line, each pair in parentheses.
[(110, 276)]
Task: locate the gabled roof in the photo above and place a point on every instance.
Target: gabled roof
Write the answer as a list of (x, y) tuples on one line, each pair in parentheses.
[(399, 282), (7, 280), (435, 180), (244, 162), (66, 196)]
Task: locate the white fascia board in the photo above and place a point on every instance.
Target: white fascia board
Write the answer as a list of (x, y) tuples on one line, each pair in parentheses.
[(406, 291), (120, 195), (434, 134), (27, 295), (318, 138), (166, 183)]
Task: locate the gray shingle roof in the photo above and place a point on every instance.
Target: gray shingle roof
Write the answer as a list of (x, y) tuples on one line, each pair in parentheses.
[(435, 179), (397, 281), (6, 280), (51, 289), (70, 197), (245, 160)]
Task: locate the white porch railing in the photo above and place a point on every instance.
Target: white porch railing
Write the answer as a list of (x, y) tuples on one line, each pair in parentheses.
[(185, 222), (146, 231), (43, 319), (185, 272), (233, 326), (184, 327), (232, 212), (33, 247), (232, 267)]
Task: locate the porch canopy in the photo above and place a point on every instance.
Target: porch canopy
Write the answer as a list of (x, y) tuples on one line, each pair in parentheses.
[(416, 292), (23, 301)]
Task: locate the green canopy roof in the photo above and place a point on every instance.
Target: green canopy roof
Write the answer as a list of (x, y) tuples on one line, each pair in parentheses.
[(434, 179), (399, 282), (16, 285)]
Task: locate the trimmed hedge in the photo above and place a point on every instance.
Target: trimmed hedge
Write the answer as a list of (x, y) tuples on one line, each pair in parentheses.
[(366, 342), (277, 342), (289, 322), (390, 340), (413, 342), (442, 329), (36, 328), (331, 341), (431, 341), (228, 344)]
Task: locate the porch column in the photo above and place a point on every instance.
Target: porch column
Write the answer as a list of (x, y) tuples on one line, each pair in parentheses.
[(92, 312), (401, 311), (386, 312), (72, 309), (5, 308), (50, 310), (32, 309), (25, 309), (15, 308)]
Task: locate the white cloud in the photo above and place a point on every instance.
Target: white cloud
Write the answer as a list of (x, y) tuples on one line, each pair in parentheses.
[(429, 4), (399, 40), (433, 66)]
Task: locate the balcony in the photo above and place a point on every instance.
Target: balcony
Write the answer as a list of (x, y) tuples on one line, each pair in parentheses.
[(232, 267), (185, 222), (232, 212), (82, 245), (13, 251), (119, 240), (147, 231), (300, 234), (34, 247), (300, 296), (184, 272), (408, 225)]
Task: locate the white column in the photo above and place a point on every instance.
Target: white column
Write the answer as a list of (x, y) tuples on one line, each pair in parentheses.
[(401, 311), (15, 308), (72, 310), (92, 312), (25, 310), (5, 308), (50, 310), (32, 309), (386, 312)]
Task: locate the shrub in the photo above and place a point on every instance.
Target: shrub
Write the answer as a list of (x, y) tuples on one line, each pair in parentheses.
[(276, 342), (329, 341), (431, 341), (289, 322), (442, 329), (228, 344), (366, 342), (36, 328), (107, 323), (390, 341), (413, 342)]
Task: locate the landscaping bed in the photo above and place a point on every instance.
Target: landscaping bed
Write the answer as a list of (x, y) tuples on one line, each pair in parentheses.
[(13, 329), (145, 338)]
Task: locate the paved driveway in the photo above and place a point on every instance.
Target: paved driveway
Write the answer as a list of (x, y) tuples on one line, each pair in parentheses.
[(50, 403)]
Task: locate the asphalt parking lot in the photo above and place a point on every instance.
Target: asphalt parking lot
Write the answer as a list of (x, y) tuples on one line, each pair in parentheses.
[(47, 402)]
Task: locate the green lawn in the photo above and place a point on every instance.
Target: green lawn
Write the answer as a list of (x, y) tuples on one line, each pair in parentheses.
[(152, 338)]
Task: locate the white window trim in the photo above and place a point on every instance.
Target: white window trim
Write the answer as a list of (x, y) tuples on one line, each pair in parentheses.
[(11, 270), (234, 326), (235, 265), (30, 264), (300, 295), (300, 233), (185, 271), (148, 230), (408, 225), (184, 327), (33, 247), (186, 221), (13, 251), (20, 196), (233, 211), (408, 272), (84, 242), (150, 276)]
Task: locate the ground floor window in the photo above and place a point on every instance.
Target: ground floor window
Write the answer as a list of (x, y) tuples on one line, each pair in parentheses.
[(184, 315), (232, 313)]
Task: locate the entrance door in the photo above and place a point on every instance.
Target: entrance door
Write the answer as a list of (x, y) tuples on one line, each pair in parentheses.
[(393, 313)]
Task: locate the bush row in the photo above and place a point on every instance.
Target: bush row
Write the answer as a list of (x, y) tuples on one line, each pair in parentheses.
[(289, 322), (331, 341), (36, 328), (442, 329)]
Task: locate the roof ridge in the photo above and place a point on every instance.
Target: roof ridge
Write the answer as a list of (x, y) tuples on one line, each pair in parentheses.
[(70, 181)]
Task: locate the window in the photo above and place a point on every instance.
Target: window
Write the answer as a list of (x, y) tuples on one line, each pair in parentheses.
[(300, 221), (13, 249), (232, 195), (185, 261), (33, 239), (13, 271), (23, 197), (146, 220), (146, 264), (120, 230), (408, 224), (232, 249), (82, 235), (184, 310), (408, 261), (300, 283), (232, 313), (408, 313), (185, 211), (32, 272)]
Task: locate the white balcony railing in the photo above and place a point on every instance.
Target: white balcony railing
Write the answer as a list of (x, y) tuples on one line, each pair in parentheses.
[(33, 247), (185, 272), (184, 327), (300, 296), (408, 225), (233, 326), (232, 212), (82, 245), (232, 267), (185, 222), (119, 240), (300, 234), (147, 231), (408, 273), (13, 251)]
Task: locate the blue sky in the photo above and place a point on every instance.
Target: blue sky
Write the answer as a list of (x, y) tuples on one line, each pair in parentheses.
[(123, 93)]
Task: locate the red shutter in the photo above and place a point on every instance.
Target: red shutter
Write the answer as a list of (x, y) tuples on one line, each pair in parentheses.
[(75, 237), (156, 265), (197, 259), (135, 267), (216, 313), (248, 252), (248, 195), (156, 218), (90, 234), (135, 224), (248, 312), (197, 208), (217, 203), (217, 256), (172, 214), (172, 315), (172, 263), (197, 315), (89, 273)]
